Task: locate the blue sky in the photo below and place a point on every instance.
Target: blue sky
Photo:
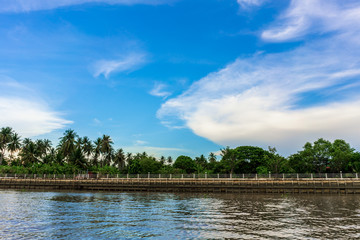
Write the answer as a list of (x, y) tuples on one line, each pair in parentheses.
[(175, 77)]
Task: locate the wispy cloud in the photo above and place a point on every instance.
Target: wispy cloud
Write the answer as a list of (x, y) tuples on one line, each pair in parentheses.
[(126, 63), (140, 142), (37, 5), (159, 90), (281, 99), (155, 151), (29, 116), (309, 16), (250, 3)]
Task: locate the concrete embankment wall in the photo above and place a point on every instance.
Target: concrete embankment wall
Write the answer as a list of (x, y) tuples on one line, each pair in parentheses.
[(292, 186)]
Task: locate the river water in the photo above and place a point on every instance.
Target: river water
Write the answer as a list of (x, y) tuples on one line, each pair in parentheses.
[(91, 215)]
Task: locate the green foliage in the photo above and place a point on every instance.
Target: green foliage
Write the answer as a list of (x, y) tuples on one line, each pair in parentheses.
[(185, 163), (76, 154)]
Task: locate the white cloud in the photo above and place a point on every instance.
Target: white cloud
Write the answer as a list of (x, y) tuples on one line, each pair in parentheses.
[(250, 3), (309, 16), (140, 142), (159, 90), (281, 99), (126, 63), (27, 115), (155, 151), (29, 118), (37, 5)]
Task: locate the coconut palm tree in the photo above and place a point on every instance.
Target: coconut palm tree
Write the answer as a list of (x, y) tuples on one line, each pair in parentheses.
[(67, 143), (107, 149), (169, 160), (29, 153), (162, 159), (87, 147), (15, 144), (97, 151), (119, 159), (5, 139), (212, 157)]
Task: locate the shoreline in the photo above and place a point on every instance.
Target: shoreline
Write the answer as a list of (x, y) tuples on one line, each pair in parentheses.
[(262, 186)]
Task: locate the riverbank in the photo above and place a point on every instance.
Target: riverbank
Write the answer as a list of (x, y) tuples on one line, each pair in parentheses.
[(283, 186)]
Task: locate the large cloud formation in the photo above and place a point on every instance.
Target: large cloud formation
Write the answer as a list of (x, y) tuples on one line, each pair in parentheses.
[(283, 99), (22, 109)]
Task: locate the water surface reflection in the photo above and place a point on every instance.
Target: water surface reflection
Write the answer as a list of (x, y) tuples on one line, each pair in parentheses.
[(63, 215)]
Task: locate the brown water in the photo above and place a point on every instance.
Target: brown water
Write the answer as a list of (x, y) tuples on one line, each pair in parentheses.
[(74, 215)]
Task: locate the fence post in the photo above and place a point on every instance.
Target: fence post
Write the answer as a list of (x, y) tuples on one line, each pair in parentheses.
[(297, 176), (138, 176), (283, 176), (25, 175), (107, 175), (325, 175), (205, 174), (127, 176), (230, 175), (312, 177), (148, 175), (357, 176), (341, 174), (15, 175), (218, 175), (269, 175), (54, 176), (256, 176), (117, 175), (243, 176), (170, 175), (194, 175), (159, 175)]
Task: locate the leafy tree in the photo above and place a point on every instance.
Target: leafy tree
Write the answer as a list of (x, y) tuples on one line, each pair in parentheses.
[(229, 158), (185, 163), (274, 162), (341, 153), (354, 162), (201, 163)]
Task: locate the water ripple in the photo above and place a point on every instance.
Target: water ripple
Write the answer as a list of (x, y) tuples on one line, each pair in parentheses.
[(79, 215)]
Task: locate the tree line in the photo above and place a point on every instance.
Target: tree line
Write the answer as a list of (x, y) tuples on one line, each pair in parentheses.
[(75, 154)]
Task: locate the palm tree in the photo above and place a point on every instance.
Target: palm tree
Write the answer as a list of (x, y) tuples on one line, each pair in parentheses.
[(15, 144), (162, 159), (29, 153), (97, 151), (212, 158), (169, 160), (119, 159), (5, 139), (67, 143), (106, 148), (77, 158), (87, 146)]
